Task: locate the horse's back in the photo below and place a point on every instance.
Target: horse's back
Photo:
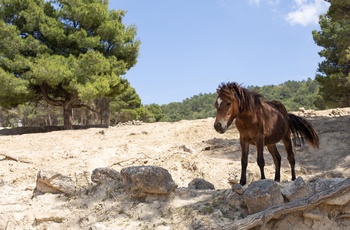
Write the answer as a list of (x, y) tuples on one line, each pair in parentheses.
[(279, 106)]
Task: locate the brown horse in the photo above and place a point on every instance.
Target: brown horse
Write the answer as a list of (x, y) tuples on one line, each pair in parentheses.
[(261, 123)]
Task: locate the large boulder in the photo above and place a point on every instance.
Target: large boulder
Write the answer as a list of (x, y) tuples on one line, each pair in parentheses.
[(262, 194), (140, 181)]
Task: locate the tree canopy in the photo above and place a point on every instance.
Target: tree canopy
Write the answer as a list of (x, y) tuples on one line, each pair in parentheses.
[(67, 53), (333, 71)]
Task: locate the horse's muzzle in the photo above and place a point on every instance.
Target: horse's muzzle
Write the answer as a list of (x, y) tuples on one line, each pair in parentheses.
[(219, 128)]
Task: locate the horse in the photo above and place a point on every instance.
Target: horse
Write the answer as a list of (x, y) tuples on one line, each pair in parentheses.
[(261, 123)]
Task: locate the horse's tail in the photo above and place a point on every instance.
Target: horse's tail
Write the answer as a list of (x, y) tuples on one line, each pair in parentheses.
[(301, 128)]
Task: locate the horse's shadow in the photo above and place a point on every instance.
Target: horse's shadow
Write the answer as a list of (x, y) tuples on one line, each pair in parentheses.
[(231, 149)]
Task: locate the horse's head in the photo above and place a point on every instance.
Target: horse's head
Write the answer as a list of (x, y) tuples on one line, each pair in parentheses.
[(227, 107)]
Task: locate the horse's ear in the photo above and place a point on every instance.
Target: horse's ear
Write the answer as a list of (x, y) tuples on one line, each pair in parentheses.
[(234, 88), (237, 92)]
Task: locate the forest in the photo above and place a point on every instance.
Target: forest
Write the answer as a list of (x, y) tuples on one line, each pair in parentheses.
[(63, 64), (293, 94)]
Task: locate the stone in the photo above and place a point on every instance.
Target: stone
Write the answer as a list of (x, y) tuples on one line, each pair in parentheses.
[(108, 183), (262, 194), (238, 188), (217, 214), (297, 190), (53, 182), (200, 184), (140, 181), (234, 199), (105, 175), (325, 184)]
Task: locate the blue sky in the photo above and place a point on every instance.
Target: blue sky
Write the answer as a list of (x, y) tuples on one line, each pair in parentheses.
[(191, 46)]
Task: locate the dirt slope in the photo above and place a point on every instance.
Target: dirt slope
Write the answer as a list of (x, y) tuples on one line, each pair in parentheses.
[(188, 149)]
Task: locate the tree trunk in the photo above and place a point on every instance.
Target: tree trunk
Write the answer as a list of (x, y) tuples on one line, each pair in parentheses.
[(102, 105), (67, 115)]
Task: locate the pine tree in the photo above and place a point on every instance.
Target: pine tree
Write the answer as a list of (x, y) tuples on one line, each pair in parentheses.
[(334, 71), (67, 53)]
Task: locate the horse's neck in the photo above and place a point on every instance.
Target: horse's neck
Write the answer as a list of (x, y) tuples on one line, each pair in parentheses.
[(247, 117)]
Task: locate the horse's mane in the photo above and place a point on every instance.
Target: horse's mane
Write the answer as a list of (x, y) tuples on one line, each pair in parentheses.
[(247, 100)]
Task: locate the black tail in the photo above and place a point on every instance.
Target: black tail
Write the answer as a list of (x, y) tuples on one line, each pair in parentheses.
[(301, 128)]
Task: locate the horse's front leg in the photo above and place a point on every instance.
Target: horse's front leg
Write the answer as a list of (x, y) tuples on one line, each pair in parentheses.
[(244, 160), (260, 156)]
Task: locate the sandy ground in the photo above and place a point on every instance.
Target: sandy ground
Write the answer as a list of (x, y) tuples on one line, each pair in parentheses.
[(187, 149)]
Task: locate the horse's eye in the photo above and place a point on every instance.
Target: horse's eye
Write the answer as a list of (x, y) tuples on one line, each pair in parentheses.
[(228, 103)]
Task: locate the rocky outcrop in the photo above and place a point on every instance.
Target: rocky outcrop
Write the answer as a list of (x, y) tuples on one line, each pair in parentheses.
[(261, 203), (325, 207)]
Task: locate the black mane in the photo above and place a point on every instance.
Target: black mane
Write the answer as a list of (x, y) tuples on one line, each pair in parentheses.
[(247, 100)]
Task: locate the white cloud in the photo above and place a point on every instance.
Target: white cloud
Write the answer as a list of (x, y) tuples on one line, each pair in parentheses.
[(307, 12)]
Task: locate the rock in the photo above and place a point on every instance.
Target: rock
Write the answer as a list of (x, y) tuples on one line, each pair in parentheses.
[(234, 199), (200, 184), (105, 175), (53, 182), (217, 214), (325, 184), (139, 181), (298, 189), (238, 188), (262, 194), (108, 183)]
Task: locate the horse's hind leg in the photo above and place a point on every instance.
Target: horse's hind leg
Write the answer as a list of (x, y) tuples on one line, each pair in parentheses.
[(289, 148), (276, 159)]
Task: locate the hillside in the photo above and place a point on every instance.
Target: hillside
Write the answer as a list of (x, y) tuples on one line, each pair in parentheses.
[(187, 149)]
